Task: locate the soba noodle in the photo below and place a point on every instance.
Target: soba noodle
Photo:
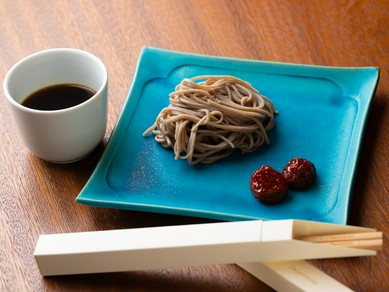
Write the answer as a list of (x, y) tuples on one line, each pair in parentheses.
[(210, 116)]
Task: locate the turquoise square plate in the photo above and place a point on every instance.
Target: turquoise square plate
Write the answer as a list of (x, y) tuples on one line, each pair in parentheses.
[(322, 114)]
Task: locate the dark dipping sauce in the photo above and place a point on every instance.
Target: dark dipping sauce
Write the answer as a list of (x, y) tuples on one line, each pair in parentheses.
[(57, 97)]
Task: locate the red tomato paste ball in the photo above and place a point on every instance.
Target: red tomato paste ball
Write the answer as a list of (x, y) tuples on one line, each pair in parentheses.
[(268, 185)]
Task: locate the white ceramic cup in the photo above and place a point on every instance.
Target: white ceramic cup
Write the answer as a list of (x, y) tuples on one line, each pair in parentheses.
[(65, 135)]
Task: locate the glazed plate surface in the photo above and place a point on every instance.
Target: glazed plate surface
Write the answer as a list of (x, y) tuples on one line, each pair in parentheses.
[(322, 114)]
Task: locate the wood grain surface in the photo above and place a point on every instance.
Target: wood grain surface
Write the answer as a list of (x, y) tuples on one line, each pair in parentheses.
[(37, 197)]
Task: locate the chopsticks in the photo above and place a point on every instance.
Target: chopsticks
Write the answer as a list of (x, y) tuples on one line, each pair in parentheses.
[(363, 240)]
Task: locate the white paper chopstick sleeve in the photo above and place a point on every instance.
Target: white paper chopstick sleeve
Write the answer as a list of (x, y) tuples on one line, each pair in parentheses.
[(186, 245), (293, 276)]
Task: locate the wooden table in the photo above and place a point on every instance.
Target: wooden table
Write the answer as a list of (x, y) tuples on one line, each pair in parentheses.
[(39, 198)]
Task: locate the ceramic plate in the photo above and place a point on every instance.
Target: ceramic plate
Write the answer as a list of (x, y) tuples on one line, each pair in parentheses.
[(322, 113)]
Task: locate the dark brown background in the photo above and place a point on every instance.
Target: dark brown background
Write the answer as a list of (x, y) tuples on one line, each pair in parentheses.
[(38, 198)]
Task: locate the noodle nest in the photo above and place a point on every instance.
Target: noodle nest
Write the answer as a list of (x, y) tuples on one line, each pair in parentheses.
[(210, 116)]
